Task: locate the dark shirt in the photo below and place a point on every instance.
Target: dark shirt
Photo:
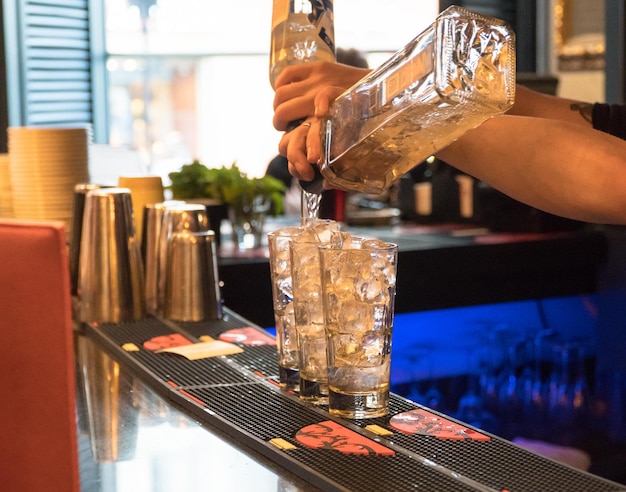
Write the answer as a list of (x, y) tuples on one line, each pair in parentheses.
[(279, 168), (610, 118)]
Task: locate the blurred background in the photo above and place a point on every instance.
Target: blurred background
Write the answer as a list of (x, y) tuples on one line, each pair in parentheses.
[(173, 80)]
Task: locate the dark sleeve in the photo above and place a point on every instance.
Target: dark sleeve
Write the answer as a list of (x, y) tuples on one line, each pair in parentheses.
[(279, 168), (610, 118)]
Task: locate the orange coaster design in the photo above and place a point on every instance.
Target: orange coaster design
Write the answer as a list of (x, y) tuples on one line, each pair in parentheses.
[(331, 435), (166, 341), (247, 336), (424, 423)]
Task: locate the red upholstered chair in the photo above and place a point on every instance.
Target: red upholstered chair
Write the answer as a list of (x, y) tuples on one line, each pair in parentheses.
[(38, 436)]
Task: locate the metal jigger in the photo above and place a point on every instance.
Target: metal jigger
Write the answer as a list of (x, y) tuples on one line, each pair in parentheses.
[(78, 209), (111, 283), (188, 218), (152, 223), (192, 289)]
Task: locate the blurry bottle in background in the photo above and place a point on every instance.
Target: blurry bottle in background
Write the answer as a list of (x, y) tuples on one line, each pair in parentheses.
[(436, 194), (333, 205), (302, 31)]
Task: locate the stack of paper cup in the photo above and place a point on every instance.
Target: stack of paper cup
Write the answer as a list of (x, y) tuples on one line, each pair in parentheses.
[(46, 163), (6, 195)]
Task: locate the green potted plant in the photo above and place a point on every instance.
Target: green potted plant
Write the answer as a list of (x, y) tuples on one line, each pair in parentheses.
[(247, 200)]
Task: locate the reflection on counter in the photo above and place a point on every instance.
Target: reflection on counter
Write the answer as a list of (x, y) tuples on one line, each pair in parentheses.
[(108, 398), (132, 440)]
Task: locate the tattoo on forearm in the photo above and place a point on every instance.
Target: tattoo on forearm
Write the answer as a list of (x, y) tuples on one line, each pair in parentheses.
[(584, 109)]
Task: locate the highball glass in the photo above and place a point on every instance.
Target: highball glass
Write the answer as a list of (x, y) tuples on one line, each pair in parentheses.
[(359, 287)]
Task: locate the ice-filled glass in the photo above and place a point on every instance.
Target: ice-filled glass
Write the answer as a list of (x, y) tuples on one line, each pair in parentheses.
[(358, 292), (282, 296), (278, 242), (308, 311)]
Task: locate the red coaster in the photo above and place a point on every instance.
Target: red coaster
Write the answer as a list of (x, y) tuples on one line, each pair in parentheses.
[(331, 435), (425, 423)]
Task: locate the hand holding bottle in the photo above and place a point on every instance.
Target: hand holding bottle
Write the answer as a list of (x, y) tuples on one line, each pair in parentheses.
[(298, 85), (428, 94), (302, 145), (303, 32)]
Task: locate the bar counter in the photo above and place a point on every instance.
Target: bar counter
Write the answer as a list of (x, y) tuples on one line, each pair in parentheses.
[(154, 445), (154, 420), (442, 266), (150, 421)]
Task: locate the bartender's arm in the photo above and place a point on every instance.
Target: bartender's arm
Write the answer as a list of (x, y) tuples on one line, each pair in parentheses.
[(544, 152), (563, 168)]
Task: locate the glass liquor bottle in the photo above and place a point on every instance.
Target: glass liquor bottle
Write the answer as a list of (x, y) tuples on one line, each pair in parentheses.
[(452, 77), (302, 31)]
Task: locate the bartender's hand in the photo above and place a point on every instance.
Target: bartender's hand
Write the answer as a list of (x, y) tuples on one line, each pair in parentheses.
[(298, 85), (302, 145), (306, 91)]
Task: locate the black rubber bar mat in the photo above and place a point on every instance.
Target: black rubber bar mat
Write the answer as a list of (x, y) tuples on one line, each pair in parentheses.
[(413, 448)]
